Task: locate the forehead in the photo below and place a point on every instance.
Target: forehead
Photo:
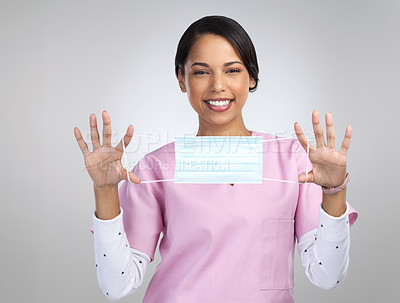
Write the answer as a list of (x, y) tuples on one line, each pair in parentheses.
[(212, 49)]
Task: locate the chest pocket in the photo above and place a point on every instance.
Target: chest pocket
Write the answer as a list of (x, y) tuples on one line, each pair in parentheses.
[(277, 255)]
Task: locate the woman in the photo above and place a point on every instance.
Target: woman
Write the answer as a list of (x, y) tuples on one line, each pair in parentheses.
[(221, 242)]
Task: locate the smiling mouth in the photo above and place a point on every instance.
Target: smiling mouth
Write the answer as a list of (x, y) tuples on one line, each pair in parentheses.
[(220, 103)]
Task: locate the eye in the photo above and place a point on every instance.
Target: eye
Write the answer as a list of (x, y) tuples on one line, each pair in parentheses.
[(199, 72), (233, 70)]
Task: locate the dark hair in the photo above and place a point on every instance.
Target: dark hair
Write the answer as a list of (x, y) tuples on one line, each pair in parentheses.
[(224, 27)]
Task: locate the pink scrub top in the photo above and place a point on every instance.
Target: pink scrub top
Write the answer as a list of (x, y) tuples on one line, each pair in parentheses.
[(222, 243)]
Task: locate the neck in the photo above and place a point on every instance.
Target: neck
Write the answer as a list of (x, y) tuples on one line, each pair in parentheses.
[(234, 128)]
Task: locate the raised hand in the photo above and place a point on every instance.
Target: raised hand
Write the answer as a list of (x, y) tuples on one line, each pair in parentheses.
[(104, 163), (329, 165)]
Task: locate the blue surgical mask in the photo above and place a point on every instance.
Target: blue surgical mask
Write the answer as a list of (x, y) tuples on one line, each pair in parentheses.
[(219, 159), (215, 159)]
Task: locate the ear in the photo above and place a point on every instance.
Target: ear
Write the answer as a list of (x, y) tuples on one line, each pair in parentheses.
[(252, 83), (181, 80)]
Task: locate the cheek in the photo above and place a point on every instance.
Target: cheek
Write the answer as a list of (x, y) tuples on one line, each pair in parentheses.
[(242, 87), (195, 88), (192, 94), (246, 81)]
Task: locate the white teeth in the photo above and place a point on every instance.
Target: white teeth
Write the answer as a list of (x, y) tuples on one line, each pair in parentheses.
[(219, 103)]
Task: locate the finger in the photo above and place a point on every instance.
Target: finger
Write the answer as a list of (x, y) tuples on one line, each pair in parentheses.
[(106, 129), (319, 134), (132, 177), (346, 140), (94, 133), (330, 132), (309, 179), (82, 144), (302, 138), (127, 139)]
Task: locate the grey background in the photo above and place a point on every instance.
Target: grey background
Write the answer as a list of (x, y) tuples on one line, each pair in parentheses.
[(63, 60)]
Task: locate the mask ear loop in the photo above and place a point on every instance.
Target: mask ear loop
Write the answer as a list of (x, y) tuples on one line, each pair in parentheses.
[(269, 179), (126, 161), (127, 171), (287, 181), (154, 181), (308, 154)]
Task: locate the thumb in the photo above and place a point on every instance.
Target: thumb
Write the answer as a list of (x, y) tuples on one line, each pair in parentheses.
[(130, 177), (309, 178)]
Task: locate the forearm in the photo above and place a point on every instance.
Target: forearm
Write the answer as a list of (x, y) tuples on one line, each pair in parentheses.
[(120, 268), (325, 251), (107, 202), (334, 205)]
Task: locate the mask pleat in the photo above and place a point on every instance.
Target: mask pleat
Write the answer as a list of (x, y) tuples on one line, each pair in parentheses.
[(218, 159)]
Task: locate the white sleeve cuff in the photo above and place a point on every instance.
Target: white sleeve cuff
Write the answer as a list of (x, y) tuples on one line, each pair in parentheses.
[(108, 226), (333, 228), (105, 231)]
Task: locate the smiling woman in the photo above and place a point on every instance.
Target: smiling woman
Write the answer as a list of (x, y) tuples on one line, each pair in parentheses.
[(220, 243), (216, 80), (224, 27)]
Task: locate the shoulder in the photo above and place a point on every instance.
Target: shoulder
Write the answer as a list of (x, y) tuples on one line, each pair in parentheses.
[(278, 143), (163, 152), (159, 159), (157, 164)]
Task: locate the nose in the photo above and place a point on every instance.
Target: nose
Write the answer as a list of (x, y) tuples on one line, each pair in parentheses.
[(217, 83)]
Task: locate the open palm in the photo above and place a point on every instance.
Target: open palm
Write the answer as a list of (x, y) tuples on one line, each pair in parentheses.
[(329, 166), (104, 163)]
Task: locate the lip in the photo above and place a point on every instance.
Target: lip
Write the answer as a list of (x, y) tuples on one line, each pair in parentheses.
[(218, 99), (217, 108)]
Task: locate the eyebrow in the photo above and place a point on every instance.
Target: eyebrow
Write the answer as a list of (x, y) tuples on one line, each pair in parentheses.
[(206, 65)]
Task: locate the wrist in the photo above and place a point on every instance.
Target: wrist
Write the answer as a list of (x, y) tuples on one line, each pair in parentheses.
[(334, 205), (106, 201), (105, 189), (336, 189)]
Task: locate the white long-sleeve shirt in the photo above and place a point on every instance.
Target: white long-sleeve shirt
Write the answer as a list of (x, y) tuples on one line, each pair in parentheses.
[(324, 253)]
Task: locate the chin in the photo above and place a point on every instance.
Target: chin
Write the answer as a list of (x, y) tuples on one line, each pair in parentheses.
[(220, 121)]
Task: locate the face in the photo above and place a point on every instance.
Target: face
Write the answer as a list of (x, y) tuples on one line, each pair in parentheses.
[(216, 81)]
